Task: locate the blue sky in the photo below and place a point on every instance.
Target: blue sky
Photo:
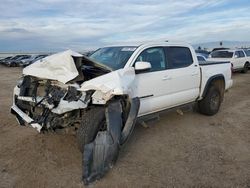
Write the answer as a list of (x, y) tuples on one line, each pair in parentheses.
[(53, 25)]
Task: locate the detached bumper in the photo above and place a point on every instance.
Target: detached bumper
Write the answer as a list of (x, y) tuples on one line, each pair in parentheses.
[(23, 117)]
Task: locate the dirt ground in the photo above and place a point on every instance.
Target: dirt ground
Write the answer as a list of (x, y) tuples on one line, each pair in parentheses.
[(189, 150)]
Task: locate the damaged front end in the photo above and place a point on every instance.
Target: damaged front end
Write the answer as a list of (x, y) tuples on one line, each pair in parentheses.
[(62, 90), (48, 105)]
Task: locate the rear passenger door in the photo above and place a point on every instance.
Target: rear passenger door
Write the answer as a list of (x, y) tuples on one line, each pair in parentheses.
[(184, 74)]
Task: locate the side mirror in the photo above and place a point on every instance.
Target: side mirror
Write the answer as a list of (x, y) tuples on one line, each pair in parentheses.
[(235, 56), (141, 66)]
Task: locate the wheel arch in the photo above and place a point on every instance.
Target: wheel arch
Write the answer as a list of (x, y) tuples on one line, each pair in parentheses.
[(218, 79)]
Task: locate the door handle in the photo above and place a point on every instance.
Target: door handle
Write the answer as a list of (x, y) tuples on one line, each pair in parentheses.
[(166, 78)]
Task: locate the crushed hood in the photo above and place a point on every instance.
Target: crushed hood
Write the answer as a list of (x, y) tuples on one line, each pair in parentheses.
[(59, 66), (117, 82)]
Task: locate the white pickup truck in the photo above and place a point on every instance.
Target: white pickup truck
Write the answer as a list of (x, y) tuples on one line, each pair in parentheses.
[(238, 58), (102, 96)]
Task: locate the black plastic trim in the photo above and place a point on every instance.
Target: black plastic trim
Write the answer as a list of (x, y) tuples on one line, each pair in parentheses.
[(213, 63), (210, 80)]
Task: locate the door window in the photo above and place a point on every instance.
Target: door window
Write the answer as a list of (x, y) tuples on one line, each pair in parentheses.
[(178, 57), (237, 53), (155, 56)]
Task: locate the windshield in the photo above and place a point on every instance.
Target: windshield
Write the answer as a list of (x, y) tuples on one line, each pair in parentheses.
[(113, 57), (222, 54)]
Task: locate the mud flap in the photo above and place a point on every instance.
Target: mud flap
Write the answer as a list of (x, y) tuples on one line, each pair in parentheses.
[(101, 154)]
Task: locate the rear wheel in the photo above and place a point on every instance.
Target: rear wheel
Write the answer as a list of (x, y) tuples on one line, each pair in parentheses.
[(210, 104), (245, 69)]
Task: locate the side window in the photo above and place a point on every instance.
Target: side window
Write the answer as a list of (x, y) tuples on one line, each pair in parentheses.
[(248, 53), (241, 54), (178, 57), (155, 56), (237, 53)]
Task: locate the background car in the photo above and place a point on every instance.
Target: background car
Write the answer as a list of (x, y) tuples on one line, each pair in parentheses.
[(32, 59), (10, 61), (237, 57), (15, 60), (18, 61), (5, 59), (201, 57)]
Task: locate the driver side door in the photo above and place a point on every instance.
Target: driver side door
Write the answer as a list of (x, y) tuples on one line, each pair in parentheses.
[(151, 86)]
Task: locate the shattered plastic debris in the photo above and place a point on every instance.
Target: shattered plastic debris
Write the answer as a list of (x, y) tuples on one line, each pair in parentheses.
[(101, 154)]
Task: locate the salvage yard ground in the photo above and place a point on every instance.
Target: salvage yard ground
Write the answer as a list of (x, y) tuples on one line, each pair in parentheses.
[(189, 150)]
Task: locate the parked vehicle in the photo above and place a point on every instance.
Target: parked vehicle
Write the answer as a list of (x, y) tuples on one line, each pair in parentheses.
[(205, 53), (2, 61), (103, 95), (18, 62), (8, 62), (32, 59), (237, 57), (220, 48), (26, 62), (15, 60), (201, 57)]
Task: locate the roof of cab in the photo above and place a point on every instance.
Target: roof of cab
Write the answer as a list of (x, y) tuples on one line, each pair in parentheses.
[(156, 43)]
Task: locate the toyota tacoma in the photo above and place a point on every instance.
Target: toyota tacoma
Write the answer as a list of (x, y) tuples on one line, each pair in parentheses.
[(103, 96)]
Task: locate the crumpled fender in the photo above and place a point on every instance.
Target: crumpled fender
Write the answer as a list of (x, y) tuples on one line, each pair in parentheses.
[(117, 82), (101, 154)]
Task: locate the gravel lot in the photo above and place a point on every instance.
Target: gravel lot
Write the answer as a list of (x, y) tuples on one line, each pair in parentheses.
[(189, 150)]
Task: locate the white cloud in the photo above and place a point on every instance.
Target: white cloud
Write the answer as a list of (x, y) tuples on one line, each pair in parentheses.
[(82, 24)]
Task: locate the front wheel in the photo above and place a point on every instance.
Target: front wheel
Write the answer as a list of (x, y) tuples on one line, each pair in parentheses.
[(92, 121), (210, 104)]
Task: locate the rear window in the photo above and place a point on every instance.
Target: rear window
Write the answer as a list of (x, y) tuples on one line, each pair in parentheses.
[(222, 54)]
